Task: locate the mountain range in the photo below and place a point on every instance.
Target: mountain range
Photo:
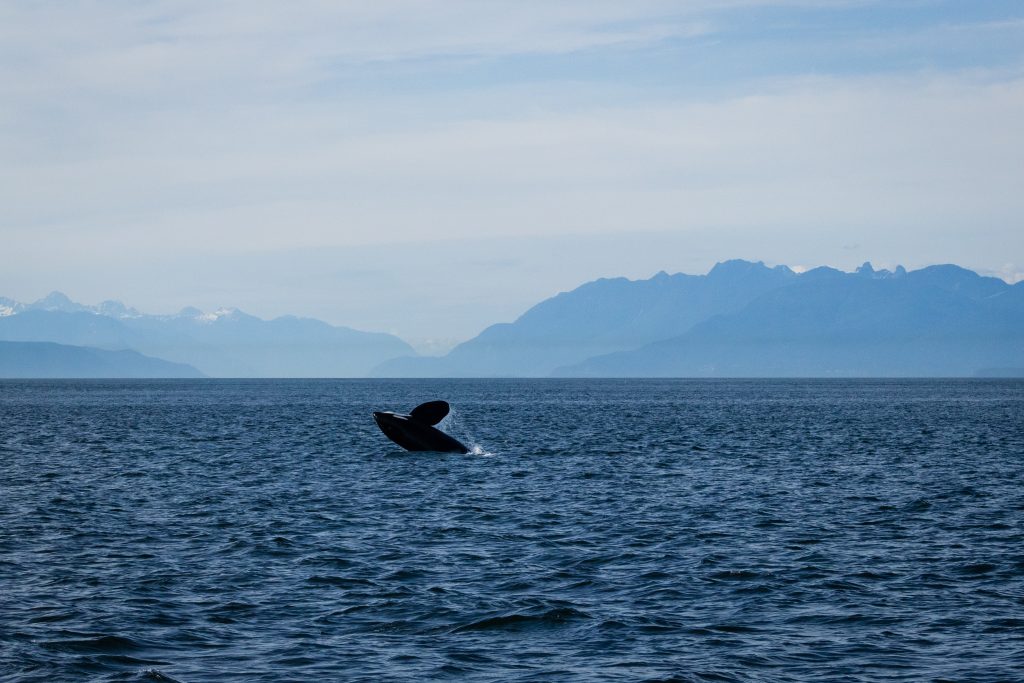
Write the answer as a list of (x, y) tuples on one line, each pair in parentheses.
[(224, 343), (48, 360), (741, 319), (599, 317), (746, 319)]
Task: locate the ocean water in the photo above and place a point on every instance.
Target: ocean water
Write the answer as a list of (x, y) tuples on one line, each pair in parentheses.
[(601, 531)]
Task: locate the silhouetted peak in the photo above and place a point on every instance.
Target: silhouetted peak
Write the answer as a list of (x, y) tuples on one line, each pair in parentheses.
[(822, 272), (116, 309), (223, 314), (950, 270), (54, 298), (736, 267), (57, 301), (868, 271), (946, 275), (955, 278), (189, 312)]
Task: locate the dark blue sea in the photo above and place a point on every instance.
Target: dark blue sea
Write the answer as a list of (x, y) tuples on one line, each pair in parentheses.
[(600, 531)]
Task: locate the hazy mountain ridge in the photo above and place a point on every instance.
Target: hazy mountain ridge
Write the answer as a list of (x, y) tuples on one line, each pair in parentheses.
[(225, 343), (38, 360), (937, 321), (747, 319), (740, 319), (598, 317)]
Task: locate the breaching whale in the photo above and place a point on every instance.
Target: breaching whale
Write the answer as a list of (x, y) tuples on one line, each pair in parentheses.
[(416, 431)]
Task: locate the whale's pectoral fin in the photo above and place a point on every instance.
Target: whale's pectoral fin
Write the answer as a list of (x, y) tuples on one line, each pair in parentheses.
[(430, 413)]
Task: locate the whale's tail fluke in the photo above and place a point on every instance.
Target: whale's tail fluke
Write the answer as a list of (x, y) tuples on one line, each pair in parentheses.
[(430, 413)]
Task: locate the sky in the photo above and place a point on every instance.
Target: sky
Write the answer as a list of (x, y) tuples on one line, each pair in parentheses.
[(429, 167)]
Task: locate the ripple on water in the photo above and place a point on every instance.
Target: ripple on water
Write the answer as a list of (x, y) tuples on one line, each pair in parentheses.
[(608, 531)]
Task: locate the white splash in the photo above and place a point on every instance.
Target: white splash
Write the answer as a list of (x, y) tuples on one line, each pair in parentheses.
[(452, 425)]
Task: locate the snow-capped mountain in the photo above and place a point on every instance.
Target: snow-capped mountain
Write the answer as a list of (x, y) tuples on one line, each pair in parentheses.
[(223, 343), (10, 306), (58, 301)]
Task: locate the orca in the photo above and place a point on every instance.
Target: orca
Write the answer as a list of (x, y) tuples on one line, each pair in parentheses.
[(416, 431)]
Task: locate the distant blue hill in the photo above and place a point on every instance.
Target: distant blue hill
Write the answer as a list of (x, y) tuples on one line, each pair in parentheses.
[(599, 317), (938, 321), (746, 319), (24, 360), (226, 343)]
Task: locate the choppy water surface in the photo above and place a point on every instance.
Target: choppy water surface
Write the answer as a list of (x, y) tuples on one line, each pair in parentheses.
[(604, 530)]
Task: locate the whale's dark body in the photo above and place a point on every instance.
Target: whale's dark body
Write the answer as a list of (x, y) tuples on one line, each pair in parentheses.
[(416, 431)]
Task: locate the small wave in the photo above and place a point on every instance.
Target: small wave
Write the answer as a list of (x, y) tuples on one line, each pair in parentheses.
[(53, 617), (1008, 624), (295, 661), (98, 645), (735, 575), (918, 505), (553, 617), (733, 628), (843, 586), (234, 607), (339, 580), (126, 660), (154, 675), (856, 618)]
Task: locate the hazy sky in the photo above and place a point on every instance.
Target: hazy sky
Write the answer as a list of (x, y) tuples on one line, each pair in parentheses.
[(430, 167)]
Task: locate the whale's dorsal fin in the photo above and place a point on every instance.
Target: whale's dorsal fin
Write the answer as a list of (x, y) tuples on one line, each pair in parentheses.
[(430, 413)]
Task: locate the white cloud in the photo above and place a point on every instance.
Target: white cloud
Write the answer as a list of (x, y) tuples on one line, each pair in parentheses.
[(809, 155), (160, 47), (157, 52), (1009, 272)]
